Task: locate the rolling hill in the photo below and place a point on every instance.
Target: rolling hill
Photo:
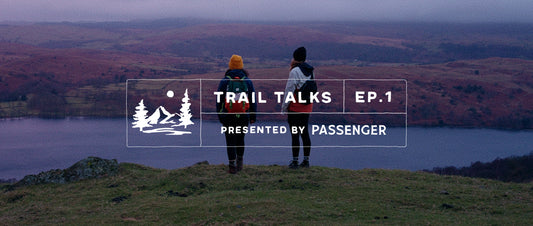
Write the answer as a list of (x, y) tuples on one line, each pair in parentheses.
[(206, 194), (466, 75)]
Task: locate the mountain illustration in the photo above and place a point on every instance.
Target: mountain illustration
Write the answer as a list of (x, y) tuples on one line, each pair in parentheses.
[(156, 116), (141, 119)]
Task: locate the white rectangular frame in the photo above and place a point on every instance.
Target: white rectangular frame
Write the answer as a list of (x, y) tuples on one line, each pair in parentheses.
[(271, 113)]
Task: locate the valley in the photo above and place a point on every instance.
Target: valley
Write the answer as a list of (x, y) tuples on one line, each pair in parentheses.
[(459, 75)]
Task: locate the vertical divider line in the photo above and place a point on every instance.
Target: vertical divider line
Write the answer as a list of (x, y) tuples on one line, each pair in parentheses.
[(127, 123), (201, 141), (343, 96), (406, 104)]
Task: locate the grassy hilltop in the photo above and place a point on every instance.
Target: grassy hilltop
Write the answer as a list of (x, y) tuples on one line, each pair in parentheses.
[(206, 194)]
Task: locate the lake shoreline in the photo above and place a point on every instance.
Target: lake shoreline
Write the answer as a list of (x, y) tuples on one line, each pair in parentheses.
[(30, 147)]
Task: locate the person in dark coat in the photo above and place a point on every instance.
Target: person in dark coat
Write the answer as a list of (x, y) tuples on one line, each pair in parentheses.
[(235, 141)]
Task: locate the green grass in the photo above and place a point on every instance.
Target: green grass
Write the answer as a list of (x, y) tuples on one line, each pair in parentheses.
[(206, 194)]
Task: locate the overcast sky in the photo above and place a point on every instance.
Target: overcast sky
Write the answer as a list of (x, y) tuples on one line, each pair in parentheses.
[(369, 10)]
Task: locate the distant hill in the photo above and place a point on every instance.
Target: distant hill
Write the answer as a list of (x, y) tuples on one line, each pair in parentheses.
[(466, 75), (488, 93), (344, 41), (207, 194), (510, 169)]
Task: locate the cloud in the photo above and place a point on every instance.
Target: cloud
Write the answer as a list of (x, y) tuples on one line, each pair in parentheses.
[(382, 10)]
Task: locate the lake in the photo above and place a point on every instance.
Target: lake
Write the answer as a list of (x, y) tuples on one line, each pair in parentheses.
[(31, 145)]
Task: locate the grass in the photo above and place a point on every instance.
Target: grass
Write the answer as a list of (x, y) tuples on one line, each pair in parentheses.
[(206, 194)]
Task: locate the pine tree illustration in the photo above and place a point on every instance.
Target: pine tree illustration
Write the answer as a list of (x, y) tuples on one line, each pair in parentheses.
[(185, 115), (140, 117)]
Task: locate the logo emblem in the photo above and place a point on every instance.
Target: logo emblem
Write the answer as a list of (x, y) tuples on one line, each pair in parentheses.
[(161, 120)]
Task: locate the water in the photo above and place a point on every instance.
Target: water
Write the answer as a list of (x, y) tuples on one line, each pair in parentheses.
[(29, 146)]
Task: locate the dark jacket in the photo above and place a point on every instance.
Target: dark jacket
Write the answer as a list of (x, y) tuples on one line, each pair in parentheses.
[(306, 69), (230, 118)]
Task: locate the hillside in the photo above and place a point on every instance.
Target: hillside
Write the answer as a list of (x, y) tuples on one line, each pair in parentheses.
[(206, 194), (466, 75), (511, 169), (478, 93), (346, 41)]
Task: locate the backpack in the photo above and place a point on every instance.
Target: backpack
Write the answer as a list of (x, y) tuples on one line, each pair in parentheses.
[(238, 86), (306, 89)]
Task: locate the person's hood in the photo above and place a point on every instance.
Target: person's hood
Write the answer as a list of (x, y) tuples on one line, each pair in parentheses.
[(236, 73), (306, 69)]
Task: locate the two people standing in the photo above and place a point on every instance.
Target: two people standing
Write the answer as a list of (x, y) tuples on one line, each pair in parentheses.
[(297, 113)]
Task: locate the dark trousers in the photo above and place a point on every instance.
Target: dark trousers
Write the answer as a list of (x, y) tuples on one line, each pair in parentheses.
[(235, 145), (235, 141), (300, 120)]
